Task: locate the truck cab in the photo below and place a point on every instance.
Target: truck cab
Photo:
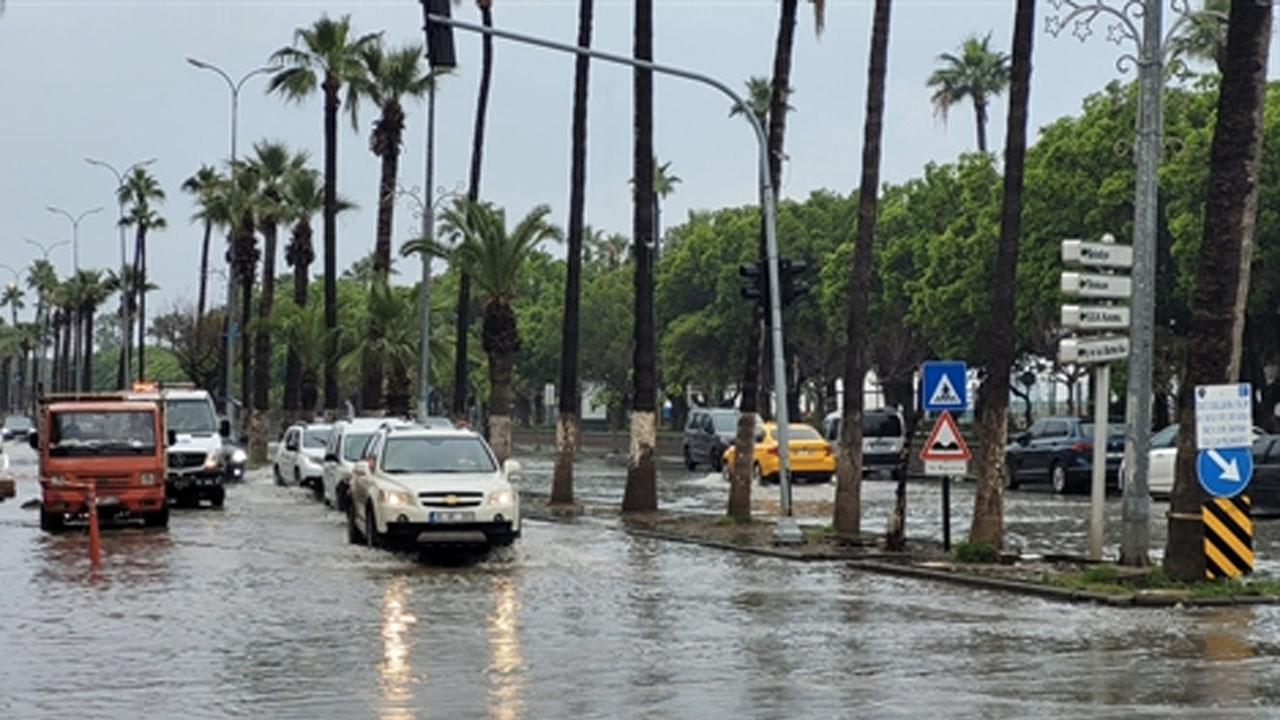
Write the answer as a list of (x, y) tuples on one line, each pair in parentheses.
[(198, 461), (104, 445)]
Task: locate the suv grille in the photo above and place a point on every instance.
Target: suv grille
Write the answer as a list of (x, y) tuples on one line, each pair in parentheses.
[(186, 459), (442, 499)]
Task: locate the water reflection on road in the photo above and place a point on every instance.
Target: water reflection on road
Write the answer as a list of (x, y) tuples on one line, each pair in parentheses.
[(263, 610)]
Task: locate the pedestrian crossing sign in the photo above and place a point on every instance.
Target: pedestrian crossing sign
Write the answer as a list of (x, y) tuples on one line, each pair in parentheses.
[(943, 386)]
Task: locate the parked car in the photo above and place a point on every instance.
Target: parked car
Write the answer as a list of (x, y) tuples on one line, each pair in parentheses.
[(1162, 451), (300, 457), (1059, 451), (16, 427), (811, 458), (345, 446), (884, 440), (1264, 488), (707, 433), (420, 487)]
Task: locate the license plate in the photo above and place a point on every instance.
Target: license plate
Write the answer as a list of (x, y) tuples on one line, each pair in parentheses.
[(451, 516), (1115, 456), (108, 501)]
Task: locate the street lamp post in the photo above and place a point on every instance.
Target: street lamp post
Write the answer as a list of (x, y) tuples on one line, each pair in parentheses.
[(76, 360), (1137, 22), (45, 249), (125, 324), (229, 349)]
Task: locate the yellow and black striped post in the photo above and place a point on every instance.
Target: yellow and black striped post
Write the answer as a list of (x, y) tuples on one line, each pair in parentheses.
[(1228, 537)]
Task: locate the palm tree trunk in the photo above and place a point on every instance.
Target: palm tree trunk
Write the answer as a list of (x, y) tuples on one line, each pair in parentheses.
[(4, 381), (204, 276), (847, 513), (392, 117), (980, 113), (86, 375), (140, 283), (258, 425), (1222, 281), (641, 493), (988, 500), (459, 409), (331, 87), (64, 375), (567, 419), (292, 365)]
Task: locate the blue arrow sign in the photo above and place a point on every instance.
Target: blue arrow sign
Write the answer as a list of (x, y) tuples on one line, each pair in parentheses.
[(1224, 472), (943, 386)]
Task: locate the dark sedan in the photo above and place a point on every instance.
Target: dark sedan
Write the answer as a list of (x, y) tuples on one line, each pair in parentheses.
[(1059, 451), (1264, 489)]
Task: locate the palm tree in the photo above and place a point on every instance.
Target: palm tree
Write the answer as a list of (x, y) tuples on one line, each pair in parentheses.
[(204, 186), (664, 183), (139, 190), (64, 302), (641, 493), (389, 78), (397, 346), (325, 55), (494, 257), (846, 515), (301, 328), (12, 297), (1204, 36), (8, 350), (272, 164), (88, 292), (759, 95), (28, 340), (1222, 280), (304, 194), (976, 74), (42, 278), (988, 500), (567, 419), (128, 283)]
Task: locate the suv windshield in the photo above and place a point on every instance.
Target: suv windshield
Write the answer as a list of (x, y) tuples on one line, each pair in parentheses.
[(876, 424), (190, 416), (17, 422), (724, 422), (121, 432), (436, 455)]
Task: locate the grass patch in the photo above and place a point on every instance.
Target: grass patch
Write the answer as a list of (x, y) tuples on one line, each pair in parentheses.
[(728, 520), (1109, 579), (966, 551), (822, 532)]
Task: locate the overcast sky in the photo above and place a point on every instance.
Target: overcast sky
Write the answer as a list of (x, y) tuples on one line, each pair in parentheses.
[(107, 79)]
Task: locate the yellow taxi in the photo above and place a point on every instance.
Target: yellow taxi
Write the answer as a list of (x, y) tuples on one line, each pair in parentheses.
[(812, 458)]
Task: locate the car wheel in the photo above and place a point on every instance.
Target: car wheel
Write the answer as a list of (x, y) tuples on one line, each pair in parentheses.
[(297, 477), (50, 521), (689, 463), (1058, 478), (717, 458), (159, 518), (371, 537), (344, 499), (317, 490), (756, 476), (275, 472), (353, 533), (219, 499), (1010, 475)]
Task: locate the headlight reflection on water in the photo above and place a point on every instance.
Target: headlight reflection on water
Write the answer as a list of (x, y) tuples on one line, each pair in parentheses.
[(507, 665), (395, 670)]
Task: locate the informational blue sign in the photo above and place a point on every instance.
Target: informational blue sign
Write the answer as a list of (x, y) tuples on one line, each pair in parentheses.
[(1224, 472), (943, 386)]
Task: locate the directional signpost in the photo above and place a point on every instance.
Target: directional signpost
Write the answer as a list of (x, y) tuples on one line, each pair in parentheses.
[(944, 388), (1098, 342), (1224, 466)]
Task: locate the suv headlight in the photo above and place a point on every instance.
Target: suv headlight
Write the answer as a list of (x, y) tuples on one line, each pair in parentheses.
[(211, 461), (505, 496), (395, 497), (239, 456)]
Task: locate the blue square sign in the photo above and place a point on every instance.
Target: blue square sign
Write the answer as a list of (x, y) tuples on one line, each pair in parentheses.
[(943, 386)]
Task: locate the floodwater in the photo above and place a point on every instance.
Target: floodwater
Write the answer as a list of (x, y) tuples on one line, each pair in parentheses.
[(263, 610)]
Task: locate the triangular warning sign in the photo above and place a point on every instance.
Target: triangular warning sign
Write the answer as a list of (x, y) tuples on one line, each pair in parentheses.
[(944, 393), (945, 442)]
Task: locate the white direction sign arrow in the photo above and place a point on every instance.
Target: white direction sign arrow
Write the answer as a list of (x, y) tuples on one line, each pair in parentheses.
[(1097, 254), (1093, 350), (1077, 284), (1095, 317), (1230, 470)]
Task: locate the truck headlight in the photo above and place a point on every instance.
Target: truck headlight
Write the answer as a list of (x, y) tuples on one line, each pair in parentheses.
[(396, 497), (239, 456), (57, 479), (506, 496), (211, 460), (147, 478)]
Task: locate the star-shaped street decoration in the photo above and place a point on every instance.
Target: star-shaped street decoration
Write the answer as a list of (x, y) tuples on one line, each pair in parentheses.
[(1053, 25), (1083, 29)]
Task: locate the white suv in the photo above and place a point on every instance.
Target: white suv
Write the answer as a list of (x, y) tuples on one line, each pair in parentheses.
[(300, 456), (418, 487), (341, 453)]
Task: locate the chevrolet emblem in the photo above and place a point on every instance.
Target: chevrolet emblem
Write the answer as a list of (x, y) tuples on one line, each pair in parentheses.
[(450, 499)]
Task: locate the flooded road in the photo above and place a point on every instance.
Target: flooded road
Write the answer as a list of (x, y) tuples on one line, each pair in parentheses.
[(263, 610)]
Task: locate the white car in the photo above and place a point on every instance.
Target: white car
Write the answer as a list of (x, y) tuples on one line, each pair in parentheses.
[(1162, 452), (341, 453), (420, 487), (300, 457)]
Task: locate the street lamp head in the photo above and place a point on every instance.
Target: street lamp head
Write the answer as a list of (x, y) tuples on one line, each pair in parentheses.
[(200, 64)]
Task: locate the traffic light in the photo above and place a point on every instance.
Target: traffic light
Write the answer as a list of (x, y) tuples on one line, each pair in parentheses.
[(439, 36), (757, 286), (791, 277)]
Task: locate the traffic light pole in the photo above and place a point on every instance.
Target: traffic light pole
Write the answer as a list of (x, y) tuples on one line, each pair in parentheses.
[(786, 531)]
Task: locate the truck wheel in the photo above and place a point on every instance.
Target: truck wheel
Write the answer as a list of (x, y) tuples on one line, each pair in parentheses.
[(159, 518), (50, 521), (219, 498)]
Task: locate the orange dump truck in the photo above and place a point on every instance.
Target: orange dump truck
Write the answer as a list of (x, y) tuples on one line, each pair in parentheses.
[(105, 441)]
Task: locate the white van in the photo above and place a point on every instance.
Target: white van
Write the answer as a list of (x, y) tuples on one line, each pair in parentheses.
[(884, 440)]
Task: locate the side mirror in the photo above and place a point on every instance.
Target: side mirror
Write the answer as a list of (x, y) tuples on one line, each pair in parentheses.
[(171, 437), (224, 428), (1023, 439), (33, 440), (511, 468), (360, 468)]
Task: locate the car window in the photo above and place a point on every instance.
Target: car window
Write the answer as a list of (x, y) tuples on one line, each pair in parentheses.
[(1036, 429), (881, 425), (1113, 430), (436, 455), (1273, 452), (1054, 428), (353, 446), (724, 422), (803, 432), (316, 437), (1166, 438), (695, 421)]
